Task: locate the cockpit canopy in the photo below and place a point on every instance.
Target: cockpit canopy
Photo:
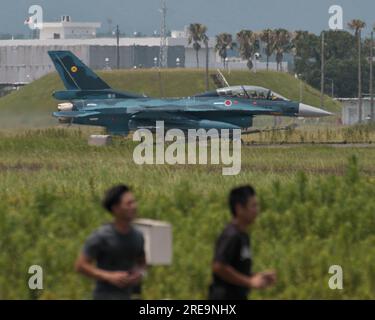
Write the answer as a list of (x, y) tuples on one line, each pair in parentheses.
[(249, 92), (245, 92)]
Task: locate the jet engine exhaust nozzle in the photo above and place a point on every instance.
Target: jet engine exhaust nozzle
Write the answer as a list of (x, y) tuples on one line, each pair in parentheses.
[(67, 106)]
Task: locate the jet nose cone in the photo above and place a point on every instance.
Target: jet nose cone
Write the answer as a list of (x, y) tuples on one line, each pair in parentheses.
[(308, 111)]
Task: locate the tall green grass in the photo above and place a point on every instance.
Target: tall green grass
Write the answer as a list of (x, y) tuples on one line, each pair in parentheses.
[(317, 210)]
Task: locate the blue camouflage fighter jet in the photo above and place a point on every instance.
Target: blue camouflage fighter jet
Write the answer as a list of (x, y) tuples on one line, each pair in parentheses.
[(93, 102)]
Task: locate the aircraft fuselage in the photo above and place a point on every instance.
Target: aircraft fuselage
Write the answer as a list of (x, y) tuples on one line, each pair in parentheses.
[(124, 115)]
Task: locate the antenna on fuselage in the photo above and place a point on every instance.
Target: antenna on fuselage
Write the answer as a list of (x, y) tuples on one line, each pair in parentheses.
[(244, 90)]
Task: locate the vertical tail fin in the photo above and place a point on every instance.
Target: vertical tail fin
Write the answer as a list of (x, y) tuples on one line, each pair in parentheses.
[(74, 73)]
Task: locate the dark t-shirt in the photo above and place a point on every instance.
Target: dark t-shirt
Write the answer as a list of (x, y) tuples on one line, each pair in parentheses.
[(233, 249), (114, 251)]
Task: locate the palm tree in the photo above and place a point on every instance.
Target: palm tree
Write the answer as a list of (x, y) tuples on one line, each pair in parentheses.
[(357, 25), (282, 44), (197, 34), (224, 41), (248, 45), (267, 36)]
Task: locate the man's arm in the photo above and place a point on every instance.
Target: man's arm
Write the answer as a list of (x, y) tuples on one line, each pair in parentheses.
[(86, 266), (232, 276)]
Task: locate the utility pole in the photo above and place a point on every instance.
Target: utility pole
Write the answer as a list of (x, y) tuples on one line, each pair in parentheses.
[(163, 55), (322, 72), (207, 63), (118, 46), (372, 76), (359, 78)]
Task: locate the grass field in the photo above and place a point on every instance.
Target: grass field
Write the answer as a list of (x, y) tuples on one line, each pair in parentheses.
[(315, 134), (317, 210)]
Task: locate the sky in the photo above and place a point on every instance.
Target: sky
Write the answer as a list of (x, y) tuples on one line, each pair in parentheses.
[(218, 15)]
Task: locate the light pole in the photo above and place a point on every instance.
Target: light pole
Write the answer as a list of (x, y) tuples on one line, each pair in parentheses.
[(332, 86), (161, 86), (117, 34), (207, 62), (256, 58), (359, 78), (299, 77), (322, 72), (227, 63), (371, 75), (107, 64)]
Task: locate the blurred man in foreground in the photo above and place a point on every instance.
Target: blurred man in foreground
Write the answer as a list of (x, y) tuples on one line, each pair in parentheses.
[(114, 254), (232, 275)]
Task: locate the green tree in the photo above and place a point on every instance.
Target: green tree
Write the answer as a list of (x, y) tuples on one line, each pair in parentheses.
[(282, 44), (340, 64), (197, 34), (248, 45), (224, 41), (305, 45), (267, 37), (339, 45)]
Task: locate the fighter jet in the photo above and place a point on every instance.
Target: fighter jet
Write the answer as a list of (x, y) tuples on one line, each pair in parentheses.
[(91, 101)]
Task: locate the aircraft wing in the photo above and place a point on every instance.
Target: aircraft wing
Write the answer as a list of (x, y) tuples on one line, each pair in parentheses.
[(185, 121)]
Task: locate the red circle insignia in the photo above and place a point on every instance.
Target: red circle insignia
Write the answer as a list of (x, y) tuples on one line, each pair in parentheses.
[(228, 103)]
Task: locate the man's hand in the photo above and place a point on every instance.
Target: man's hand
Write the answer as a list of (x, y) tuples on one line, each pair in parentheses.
[(270, 277), (120, 279), (262, 280), (135, 278)]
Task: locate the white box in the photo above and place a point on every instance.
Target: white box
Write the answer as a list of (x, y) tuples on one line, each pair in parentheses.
[(158, 241), (100, 140)]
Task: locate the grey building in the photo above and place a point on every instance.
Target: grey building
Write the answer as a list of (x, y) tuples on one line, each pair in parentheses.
[(67, 29), (350, 110), (22, 61)]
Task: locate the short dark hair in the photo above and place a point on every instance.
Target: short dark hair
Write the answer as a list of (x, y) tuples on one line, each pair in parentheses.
[(240, 196), (113, 196)]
